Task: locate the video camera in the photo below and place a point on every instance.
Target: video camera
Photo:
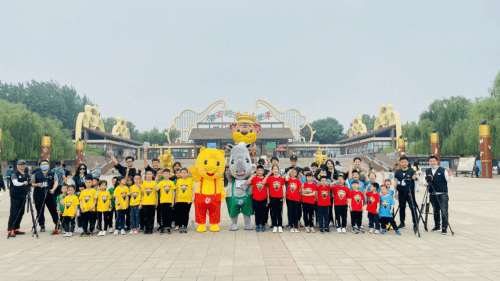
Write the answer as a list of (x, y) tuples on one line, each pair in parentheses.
[(429, 179)]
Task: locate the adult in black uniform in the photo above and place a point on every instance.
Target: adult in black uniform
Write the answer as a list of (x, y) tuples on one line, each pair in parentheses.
[(20, 182), (439, 193), (45, 184), (404, 186)]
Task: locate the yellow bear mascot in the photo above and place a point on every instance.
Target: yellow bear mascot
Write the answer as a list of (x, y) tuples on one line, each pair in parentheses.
[(209, 173)]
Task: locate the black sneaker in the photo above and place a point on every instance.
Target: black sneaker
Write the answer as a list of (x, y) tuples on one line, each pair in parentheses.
[(444, 232), (168, 231), (162, 231), (401, 225), (327, 230), (322, 231), (42, 228), (185, 230), (360, 230), (355, 230), (437, 228)]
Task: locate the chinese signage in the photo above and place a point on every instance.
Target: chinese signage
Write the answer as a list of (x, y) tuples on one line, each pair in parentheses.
[(231, 114)]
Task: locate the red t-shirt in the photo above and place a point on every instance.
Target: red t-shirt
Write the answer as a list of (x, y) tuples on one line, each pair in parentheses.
[(340, 195), (357, 198), (293, 190), (259, 190), (324, 195), (372, 199), (275, 185), (309, 188)]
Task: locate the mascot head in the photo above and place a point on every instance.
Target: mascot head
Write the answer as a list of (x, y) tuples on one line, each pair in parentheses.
[(246, 129), (211, 163), (240, 163)]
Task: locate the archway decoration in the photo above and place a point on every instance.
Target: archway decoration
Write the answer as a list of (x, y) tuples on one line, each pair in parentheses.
[(88, 119), (388, 117)]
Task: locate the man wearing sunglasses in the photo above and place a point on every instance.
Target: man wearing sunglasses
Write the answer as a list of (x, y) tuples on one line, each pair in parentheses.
[(123, 170)]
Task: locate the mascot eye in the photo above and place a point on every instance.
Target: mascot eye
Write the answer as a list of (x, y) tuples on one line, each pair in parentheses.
[(232, 161), (218, 163), (251, 130), (239, 130), (206, 162), (248, 161)]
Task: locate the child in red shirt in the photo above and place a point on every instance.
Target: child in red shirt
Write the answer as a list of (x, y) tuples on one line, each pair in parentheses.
[(260, 198), (309, 201), (323, 204), (340, 195), (293, 199), (356, 199), (275, 184), (372, 206)]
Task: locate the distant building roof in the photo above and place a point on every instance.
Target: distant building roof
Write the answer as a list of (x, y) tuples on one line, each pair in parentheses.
[(382, 132), (225, 133)]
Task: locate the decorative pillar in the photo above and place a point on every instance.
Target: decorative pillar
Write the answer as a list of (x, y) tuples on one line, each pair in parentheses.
[(79, 152), (485, 149), (401, 147), (435, 151), (45, 154)]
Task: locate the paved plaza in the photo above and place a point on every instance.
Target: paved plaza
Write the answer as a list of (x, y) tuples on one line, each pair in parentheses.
[(473, 253)]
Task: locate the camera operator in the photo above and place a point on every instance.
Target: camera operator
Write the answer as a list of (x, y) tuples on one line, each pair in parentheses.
[(404, 188), (20, 180), (45, 184), (437, 181)]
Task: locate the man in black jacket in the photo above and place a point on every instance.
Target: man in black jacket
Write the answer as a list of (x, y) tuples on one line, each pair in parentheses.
[(404, 188), (20, 182), (438, 192), (45, 184)]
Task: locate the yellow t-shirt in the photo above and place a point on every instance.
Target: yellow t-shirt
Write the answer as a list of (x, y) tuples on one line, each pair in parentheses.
[(87, 199), (184, 189), (70, 202), (166, 191), (148, 193), (103, 201), (135, 195), (121, 195)]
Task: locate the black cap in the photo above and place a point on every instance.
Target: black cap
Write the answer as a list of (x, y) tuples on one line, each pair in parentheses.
[(21, 161), (293, 158)]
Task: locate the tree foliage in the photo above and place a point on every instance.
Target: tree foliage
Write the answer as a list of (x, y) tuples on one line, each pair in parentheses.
[(327, 130), (368, 121), (48, 99), (23, 131)]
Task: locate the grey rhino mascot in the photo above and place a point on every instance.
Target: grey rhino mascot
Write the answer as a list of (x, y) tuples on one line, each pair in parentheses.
[(238, 193)]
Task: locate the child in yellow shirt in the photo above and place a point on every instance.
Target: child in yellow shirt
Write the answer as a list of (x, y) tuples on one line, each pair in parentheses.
[(103, 198), (148, 202), (185, 196), (87, 207), (70, 202), (167, 191), (135, 202), (121, 200)]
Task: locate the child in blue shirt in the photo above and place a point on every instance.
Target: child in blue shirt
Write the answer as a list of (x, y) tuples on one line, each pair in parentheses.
[(388, 184), (355, 177), (386, 210)]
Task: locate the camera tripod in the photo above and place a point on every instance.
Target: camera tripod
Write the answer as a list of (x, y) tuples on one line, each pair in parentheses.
[(427, 198), (415, 212), (29, 208)]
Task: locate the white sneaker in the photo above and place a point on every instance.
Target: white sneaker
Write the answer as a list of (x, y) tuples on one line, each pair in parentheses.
[(331, 224), (100, 233), (104, 233), (296, 230), (280, 229), (377, 232), (70, 234), (344, 231), (292, 230), (371, 231), (275, 229), (339, 230), (122, 232), (116, 232), (65, 235), (135, 231), (131, 232)]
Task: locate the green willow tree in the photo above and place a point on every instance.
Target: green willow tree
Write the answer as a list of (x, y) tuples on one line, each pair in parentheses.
[(327, 130), (23, 131)]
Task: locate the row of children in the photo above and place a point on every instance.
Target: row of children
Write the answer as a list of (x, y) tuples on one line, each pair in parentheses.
[(309, 195), (132, 197)]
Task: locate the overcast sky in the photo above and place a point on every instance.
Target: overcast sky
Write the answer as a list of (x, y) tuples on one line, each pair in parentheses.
[(148, 60)]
